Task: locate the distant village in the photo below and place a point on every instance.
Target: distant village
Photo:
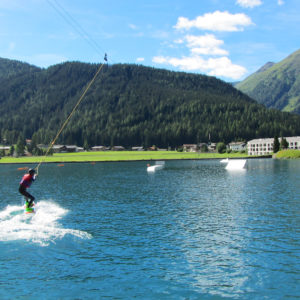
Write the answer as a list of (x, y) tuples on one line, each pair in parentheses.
[(255, 147)]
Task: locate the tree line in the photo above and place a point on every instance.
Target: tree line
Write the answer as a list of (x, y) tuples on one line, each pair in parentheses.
[(132, 105)]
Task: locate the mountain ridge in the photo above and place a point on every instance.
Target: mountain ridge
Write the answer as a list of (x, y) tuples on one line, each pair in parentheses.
[(132, 105), (276, 85), (11, 68)]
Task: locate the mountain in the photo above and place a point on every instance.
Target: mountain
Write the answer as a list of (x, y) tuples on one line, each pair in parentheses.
[(12, 68), (276, 85), (132, 105), (265, 67)]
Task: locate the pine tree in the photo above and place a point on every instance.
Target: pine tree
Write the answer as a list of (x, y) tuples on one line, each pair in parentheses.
[(284, 143), (276, 144), (86, 145), (20, 147), (12, 150)]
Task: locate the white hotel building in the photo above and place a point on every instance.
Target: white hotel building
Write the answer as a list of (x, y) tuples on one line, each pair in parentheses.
[(265, 146)]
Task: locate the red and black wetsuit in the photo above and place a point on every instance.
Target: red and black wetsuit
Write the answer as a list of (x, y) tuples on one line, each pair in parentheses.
[(26, 183)]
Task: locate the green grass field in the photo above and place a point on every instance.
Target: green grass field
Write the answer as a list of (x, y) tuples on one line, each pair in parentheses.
[(291, 154), (118, 156)]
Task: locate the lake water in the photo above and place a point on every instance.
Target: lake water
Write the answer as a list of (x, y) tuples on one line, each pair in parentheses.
[(193, 230)]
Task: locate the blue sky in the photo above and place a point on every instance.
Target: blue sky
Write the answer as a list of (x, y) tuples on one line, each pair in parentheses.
[(229, 39)]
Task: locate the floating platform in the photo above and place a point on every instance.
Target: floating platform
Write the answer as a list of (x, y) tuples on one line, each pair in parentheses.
[(158, 166), (236, 164)]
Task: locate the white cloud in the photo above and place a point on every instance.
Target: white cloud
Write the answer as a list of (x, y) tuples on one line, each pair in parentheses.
[(249, 3), (224, 67), (221, 66), (216, 21), (205, 44), (140, 59), (280, 2), (205, 51)]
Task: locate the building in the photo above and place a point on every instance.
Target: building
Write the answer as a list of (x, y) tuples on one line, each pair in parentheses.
[(237, 146), (265, 146), (118, 148), (137, 148), (212, 147), (260, 146), (72, 148), (64, 148), (190, 147), (5, 149), (99, 148), (294, 142), (152, 148), (59, 148)]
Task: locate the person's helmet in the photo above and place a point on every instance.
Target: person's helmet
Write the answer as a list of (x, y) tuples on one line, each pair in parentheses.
[(31, 171)]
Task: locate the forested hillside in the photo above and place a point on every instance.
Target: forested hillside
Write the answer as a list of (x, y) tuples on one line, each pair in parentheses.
[(276, 85), (132, 105), (11, 68)]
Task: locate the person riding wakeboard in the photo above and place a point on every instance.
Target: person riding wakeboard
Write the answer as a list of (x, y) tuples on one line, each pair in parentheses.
[(26, 183)]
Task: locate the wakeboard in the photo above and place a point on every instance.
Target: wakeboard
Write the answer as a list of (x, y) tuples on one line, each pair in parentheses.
[(29, 210)]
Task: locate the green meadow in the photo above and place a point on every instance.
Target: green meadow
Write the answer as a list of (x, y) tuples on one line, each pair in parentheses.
[(289, 154), (118, 156)]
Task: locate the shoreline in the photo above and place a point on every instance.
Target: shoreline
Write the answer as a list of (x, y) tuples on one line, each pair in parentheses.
[(120, 157)]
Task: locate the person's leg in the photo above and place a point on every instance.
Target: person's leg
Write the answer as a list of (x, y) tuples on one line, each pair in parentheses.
[(31, 200), (23, 191)]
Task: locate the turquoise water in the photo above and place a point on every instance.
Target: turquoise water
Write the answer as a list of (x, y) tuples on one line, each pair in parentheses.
[(192, 230)]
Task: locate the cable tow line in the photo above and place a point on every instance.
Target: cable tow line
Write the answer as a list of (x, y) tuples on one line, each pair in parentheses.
[(68, 118)]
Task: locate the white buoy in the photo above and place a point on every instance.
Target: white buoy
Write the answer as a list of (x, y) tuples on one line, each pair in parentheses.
[(236, 164)]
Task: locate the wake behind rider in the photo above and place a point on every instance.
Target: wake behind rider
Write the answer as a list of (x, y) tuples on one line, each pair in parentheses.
[(26, 183)]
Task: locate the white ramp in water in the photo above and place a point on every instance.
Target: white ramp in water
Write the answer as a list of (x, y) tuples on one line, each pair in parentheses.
[(236, 164), (158, 166)]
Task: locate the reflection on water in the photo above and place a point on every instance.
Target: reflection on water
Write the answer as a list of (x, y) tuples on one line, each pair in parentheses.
[(192, 230)]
